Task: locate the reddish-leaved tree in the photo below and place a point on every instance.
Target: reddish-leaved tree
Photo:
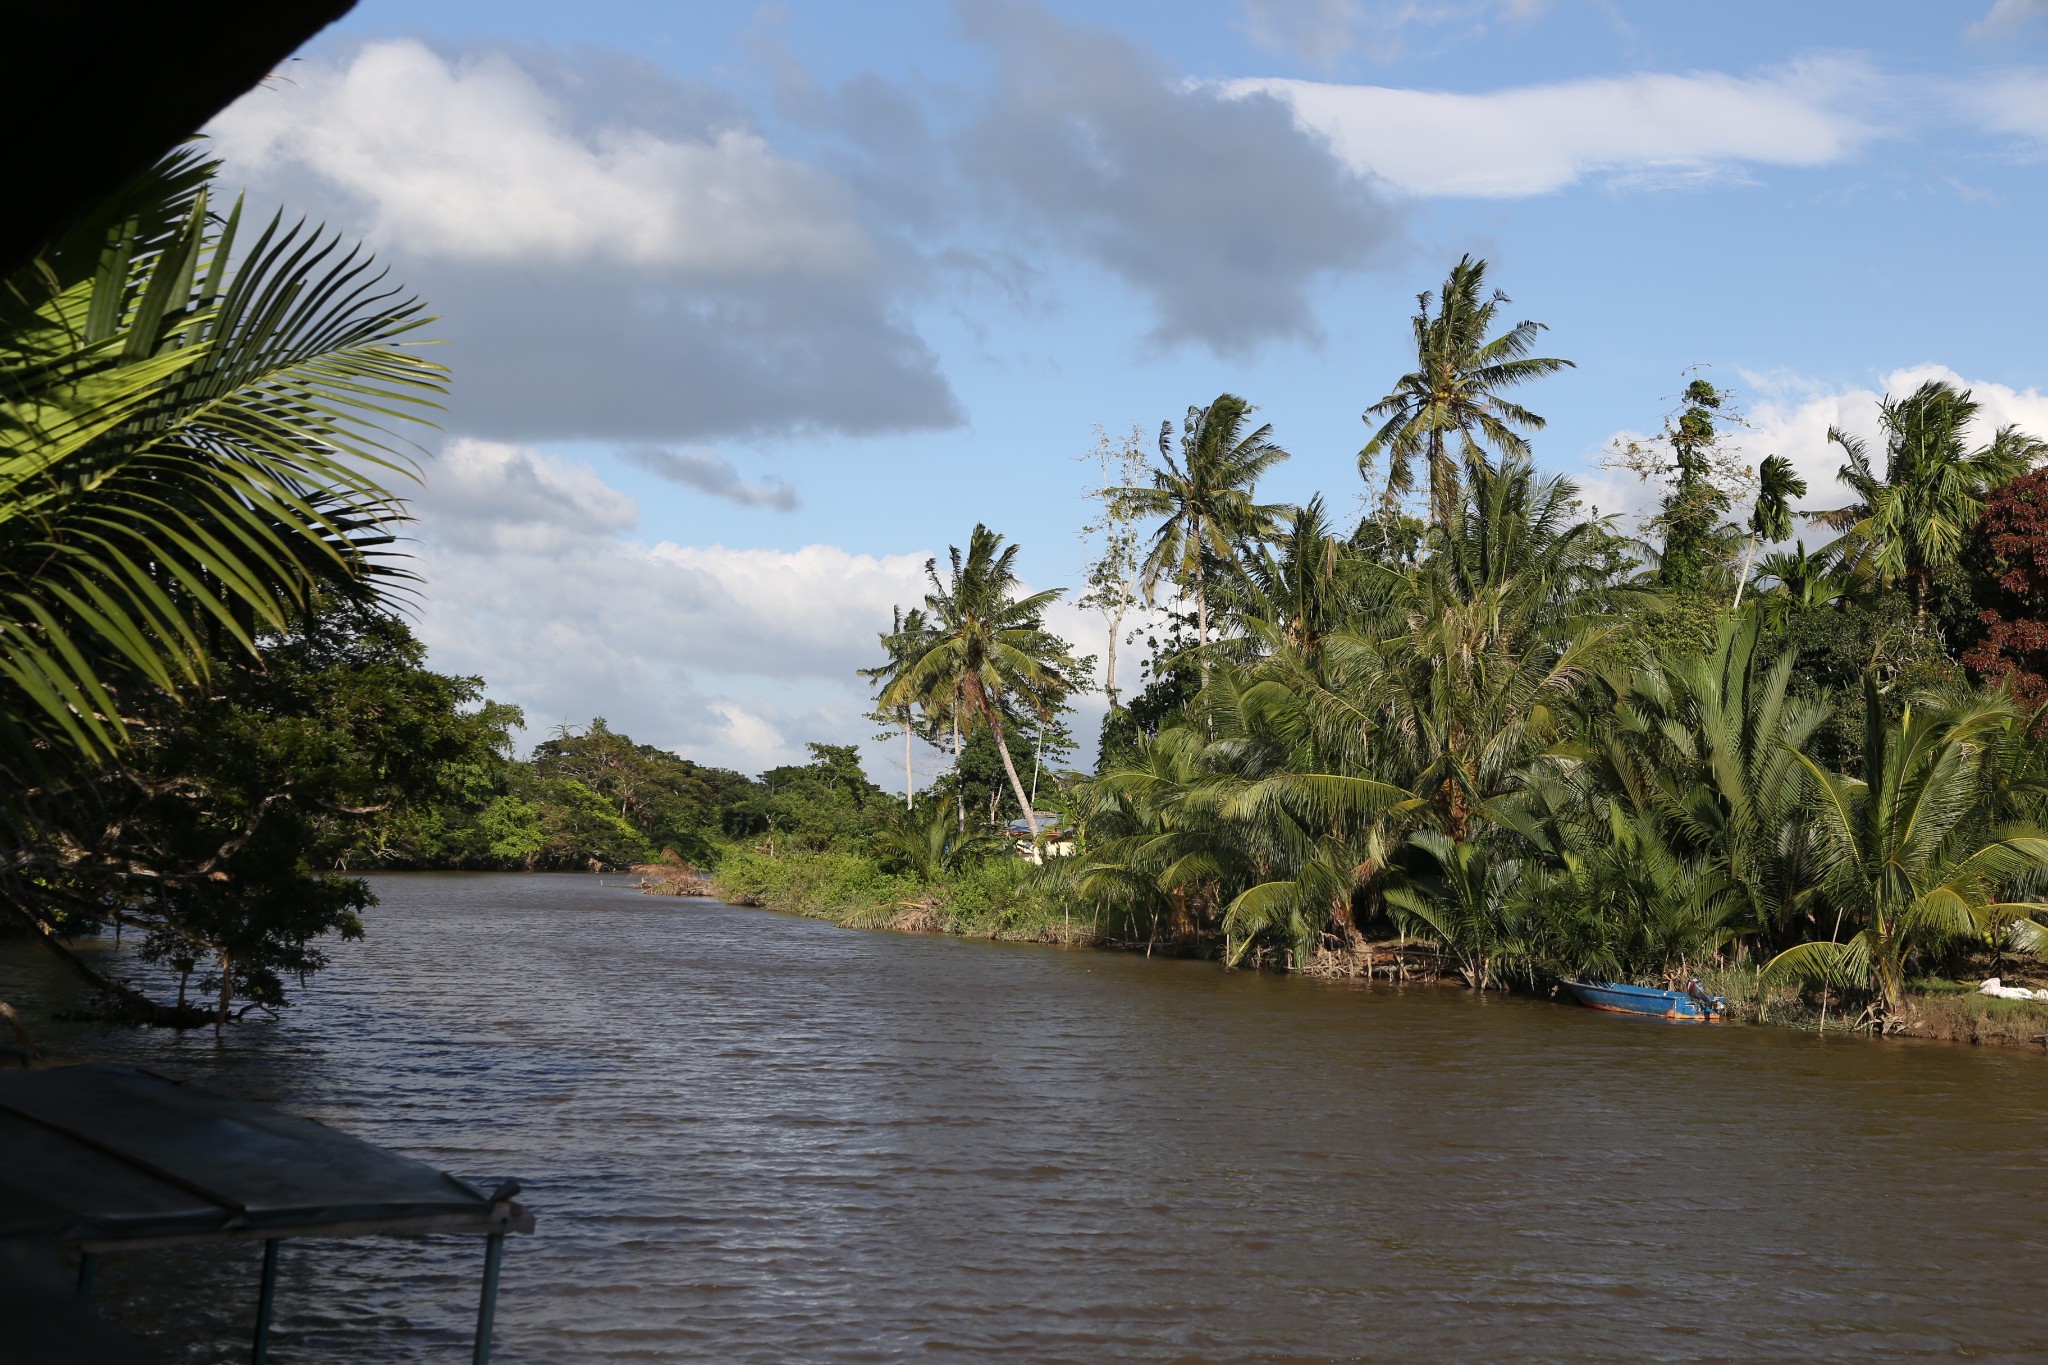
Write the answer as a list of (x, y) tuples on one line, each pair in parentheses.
[(2015, 643)]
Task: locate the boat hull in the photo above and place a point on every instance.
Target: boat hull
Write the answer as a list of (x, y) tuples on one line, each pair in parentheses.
[(1643, 1002)]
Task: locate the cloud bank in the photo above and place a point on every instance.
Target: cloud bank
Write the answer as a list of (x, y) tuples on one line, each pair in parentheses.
[(614, 254), (1212, 205), (1541, 138), (535, 580)]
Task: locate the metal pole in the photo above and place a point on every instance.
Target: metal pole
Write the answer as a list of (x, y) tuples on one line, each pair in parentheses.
[(88, 1262), (264, 1301), (494, 1257)]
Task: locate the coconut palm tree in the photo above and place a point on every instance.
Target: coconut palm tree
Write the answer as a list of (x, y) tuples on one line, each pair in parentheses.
[(1909, 857), (194, 443), (1297, 587), (1488, 639), (1777, 483), (907, 640), (1456, 388), (988, 648), (1205, 500), (1912, 520)]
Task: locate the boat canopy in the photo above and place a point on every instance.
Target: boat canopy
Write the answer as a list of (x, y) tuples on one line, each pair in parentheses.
[(107, 1158)]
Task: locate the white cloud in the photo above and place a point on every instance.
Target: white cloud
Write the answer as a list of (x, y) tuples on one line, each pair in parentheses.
[(513, 499), (1536, 139), (1789, 416), (613, 253), (536, 581), (2004, 17), (473, 160), (2010, 102), (732, 656)]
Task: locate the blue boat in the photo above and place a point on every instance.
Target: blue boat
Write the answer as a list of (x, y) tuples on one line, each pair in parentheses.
[(1647, 1002)]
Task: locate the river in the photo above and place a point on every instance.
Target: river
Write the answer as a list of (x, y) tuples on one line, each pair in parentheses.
[(751, 1137)]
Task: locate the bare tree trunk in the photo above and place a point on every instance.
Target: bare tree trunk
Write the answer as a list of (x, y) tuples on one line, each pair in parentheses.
[(1116, 628), (1742, 579), (1003, 748), (959, 792), (1441, 481), (1037, 760), (909, 781)]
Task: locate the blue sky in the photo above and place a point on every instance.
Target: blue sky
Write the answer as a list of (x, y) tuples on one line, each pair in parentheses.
[(752, 308)]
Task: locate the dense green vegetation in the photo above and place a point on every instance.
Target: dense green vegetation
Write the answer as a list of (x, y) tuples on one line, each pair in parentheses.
[(1479, 719), (1549, 749), (197, 664)]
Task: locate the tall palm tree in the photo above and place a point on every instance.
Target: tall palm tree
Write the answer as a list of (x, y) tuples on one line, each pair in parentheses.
[(1490, 637), (906, 641), (1912, 520), (194, 442), (1205, 500), (988, 649), (1457, 386), (1298, 586), (1911, 856), (1777, 483)]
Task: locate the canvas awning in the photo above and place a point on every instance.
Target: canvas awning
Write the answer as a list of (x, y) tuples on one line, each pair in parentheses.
[(105, 1158)]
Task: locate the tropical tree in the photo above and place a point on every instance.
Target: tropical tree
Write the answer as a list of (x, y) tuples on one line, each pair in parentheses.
[(1706, 750), (1486, 643), (1770, 518), (1912, 856), (931, 845), (1299, 586), (1471, 903), (1457, 387), (907, 640), (2010, 557), (1114, 573), (1800, 580), (988, 649), (194, 441), (1205, 500), (1911, 520)]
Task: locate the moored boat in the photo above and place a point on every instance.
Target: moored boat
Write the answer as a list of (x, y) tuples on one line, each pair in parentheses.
[(1648, 1001)]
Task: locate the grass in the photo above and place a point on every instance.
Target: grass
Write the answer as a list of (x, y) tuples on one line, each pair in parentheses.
[(1000, 898), (1951, 1011)]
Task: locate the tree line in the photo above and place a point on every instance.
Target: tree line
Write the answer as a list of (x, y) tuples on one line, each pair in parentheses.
[(1476, 716), (1486, 718)]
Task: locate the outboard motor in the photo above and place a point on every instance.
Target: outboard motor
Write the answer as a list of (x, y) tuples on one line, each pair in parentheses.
[(1709, 1004)]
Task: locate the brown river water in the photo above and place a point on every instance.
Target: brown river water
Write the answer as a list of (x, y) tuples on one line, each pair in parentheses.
[(750, 1137)]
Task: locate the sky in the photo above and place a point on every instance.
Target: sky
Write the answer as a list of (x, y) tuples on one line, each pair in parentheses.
[(752, 309)]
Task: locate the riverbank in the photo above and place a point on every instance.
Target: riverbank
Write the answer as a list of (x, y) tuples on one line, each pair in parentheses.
[(1011, 900)]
